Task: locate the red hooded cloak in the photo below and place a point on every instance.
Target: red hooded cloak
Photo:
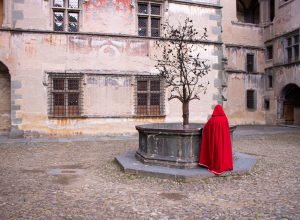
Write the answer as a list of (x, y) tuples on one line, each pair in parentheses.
[(216, 149)]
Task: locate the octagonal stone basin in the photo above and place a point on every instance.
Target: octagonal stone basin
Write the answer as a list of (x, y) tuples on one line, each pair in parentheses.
[(169, 144)]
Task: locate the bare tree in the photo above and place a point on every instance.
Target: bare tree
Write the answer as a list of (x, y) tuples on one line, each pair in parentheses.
[(180, 64)]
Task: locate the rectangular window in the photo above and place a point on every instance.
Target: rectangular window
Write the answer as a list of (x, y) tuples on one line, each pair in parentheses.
[(149, 19), (149, 97), (270, 81), (251, 99), (267, 104), (65, 95), (292, 48), (66, 15), (250, 63), (269, 52)]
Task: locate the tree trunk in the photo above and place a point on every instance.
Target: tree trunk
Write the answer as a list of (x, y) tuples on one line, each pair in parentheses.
[(185, 113)]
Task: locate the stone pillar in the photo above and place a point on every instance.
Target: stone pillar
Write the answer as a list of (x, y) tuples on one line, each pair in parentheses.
[(16, 121)]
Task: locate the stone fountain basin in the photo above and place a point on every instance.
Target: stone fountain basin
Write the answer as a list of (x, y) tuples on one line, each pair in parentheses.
[(170, 144)]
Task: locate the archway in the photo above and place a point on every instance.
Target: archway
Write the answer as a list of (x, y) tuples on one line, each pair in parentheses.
[(291, 104), (5, 100)]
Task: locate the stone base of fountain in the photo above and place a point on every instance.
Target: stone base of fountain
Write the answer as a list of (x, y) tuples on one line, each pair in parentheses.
[(170, 151)]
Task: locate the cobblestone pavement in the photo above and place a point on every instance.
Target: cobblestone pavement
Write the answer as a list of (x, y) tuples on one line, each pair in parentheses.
[(80, 180)]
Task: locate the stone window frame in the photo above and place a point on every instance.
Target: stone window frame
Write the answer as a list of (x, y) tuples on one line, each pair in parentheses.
[(251, 99), (149, 16), (65, 109), (292, 48), (66, 10), (161, 92)]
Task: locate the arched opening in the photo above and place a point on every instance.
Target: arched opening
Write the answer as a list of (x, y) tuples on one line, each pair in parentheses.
[(248, 11), (5, 100), (291, 104)]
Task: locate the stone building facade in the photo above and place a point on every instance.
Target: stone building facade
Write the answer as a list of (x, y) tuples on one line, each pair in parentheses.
[(71, 67)]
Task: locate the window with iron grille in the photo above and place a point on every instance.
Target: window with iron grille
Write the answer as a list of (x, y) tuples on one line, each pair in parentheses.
[(292, 48), (250, 63), (66, 15), (149, 19), (251, 99), (65, 95), (149, 97)]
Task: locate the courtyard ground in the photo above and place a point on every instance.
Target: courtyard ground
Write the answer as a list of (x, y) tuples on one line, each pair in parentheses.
[(78, 179)]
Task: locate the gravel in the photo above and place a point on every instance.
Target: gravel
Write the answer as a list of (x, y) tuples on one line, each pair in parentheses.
[(81, 180)]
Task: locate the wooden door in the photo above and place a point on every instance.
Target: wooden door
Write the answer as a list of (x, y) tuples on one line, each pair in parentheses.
[(288, 113)]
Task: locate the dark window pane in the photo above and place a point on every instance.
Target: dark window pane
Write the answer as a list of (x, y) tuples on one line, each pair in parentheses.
[(270, 52), (155, 9), (73, 17), (58, 21), (142, 99), (155, 24), (270, 81), (267, 104), (296, 49), (155, 99), (296, 39), (250, 63), (73, 84), (73, 22), (73, 4), (250, 99), (58, 3), (289, 41), (58, 16), (142, 26), (289, 54), (154, 32), (58, 84), (155, 85), (73, 99), (143, 8), (58, 99), (142, 86)]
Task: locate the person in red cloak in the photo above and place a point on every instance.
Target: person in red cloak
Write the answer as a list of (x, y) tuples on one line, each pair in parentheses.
[(216, 149)]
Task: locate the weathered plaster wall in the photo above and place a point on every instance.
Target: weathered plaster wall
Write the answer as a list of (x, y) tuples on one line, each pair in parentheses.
[(211, 16), (234, 32), (236, 109), (237, 59), (105, 97), (286, 19)]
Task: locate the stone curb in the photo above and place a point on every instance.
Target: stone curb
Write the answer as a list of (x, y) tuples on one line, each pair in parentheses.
[(242, 165)]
